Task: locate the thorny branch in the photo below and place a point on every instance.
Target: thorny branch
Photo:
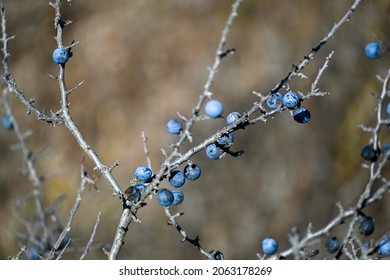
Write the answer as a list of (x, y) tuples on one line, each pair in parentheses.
[(367, 197), (175, 158)]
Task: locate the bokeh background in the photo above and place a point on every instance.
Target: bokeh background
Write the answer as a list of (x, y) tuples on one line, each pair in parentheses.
[(142, 61)]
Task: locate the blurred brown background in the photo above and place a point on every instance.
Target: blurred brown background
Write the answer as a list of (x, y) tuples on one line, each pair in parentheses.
[(144, 60)]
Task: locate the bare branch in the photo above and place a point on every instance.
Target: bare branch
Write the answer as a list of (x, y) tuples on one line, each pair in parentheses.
[(88, 247)]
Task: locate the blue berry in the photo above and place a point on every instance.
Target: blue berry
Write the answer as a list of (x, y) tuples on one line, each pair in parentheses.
[(226, 140), (142, 173), (275, 100), (301, 115), (384, 248), (368, 153), (178, 197), (388, 109), (291, 100), (384, 245), (213, 108), (174, 126), (366, 227), (269, 246), (60, 55), (332, 245), (32, 255), (386, 150), (373, 50), (6, 122), (232, 117), (165, 197), (140, 187), (213, 151), (192, 172), (64, 242), (177, 179)]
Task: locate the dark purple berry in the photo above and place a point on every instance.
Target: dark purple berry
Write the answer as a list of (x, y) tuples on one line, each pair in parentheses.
[(301, 115), (216, 255), (366, 227), (368, 153), (332, 245)]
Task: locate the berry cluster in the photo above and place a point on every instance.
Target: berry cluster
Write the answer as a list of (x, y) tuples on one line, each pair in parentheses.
[(366, 228), (213, 109), (165, 197), (177, 179), (143, 176), (291, 101)]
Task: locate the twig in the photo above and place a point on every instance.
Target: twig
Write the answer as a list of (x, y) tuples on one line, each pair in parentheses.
[(85, 181), (65, 111), (52, 119), (128, 214), (146, 151), (193, 241), (30, 172), (375, 169), (366, 198), (88, 247)]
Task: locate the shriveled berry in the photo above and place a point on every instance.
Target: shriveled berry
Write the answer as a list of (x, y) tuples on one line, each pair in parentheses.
[(213, 151), (332, 245), (174, 126), (177, 179), (366, 227), (192, 171), (301, 115), (165, 197), (275, 100)]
